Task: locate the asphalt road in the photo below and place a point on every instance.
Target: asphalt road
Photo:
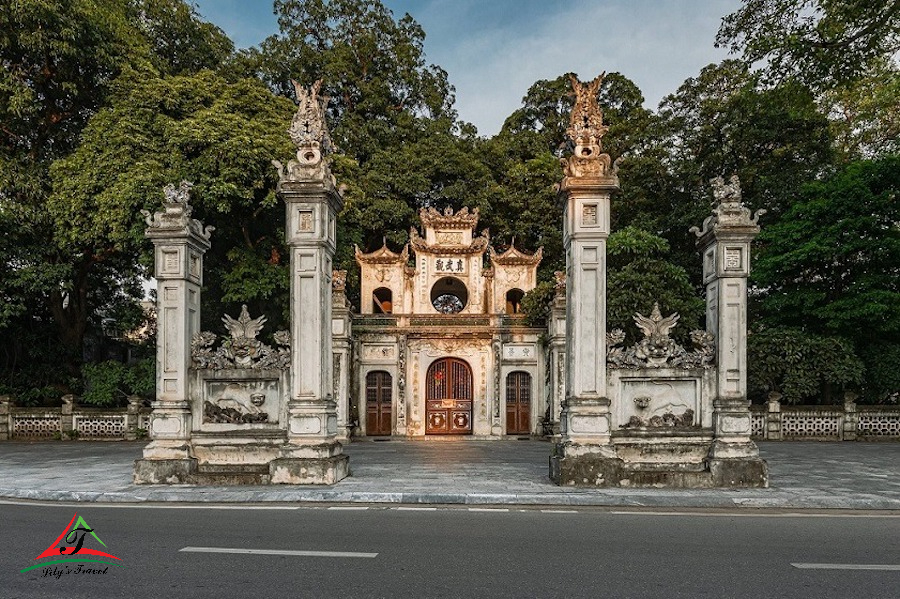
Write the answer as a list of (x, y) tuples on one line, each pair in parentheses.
[(454, 552)]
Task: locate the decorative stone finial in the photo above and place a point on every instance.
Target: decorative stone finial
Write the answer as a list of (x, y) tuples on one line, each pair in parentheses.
[(559, 281), (657, 349), (339, 280), (176, 215), (586, 121), (728, 211), (242, 349), (308, 127), (309, 132), (585, 130)]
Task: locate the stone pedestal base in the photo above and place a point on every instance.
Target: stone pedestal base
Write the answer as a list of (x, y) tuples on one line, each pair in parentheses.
[(737, 465), (661, 462), (587, 466), (309, 471), (164, 472), (742, 472)]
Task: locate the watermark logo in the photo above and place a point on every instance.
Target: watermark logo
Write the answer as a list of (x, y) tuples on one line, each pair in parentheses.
[(77, 557)]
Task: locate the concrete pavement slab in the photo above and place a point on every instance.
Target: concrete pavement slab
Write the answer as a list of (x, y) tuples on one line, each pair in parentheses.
[(803, 475)]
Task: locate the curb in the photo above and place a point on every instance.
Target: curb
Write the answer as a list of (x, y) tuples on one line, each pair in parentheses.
[(613, 498)]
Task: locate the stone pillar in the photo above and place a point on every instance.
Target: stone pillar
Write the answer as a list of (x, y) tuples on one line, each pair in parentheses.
[(724, 243), (556, 362), (341, 332), (5, 424), (179, 243), (133, 416), (402, 348), (312, 454), (585, 454), (851, 417), (67, 417), (773, 417)]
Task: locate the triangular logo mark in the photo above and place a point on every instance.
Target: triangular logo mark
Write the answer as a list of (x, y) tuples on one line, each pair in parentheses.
[(70, 544)]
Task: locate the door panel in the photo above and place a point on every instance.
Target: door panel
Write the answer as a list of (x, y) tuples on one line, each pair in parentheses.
[(378, 403), (518, 403), (448, 398)]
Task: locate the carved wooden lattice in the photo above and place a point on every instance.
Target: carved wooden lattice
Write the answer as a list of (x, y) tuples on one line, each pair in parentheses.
[(36, 427), (94, 427), (817, 424), (881, 424)]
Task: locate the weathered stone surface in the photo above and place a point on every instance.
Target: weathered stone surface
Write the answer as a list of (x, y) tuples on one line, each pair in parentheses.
[(164, 472), (309, 471), (743, 472)]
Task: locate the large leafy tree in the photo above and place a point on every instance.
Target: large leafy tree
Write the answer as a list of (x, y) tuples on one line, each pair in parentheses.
[(372, 66), (60, 63), (219, 135), (831, 266), (823, 43)]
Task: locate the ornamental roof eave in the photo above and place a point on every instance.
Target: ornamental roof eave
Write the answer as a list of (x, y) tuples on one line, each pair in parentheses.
[(463, 219), (478, 246), (382, 255), (514, 257)]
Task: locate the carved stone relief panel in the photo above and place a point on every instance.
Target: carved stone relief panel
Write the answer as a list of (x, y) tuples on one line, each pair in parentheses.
[(379, 353), (240, 402), (659, 403), (734, 259)]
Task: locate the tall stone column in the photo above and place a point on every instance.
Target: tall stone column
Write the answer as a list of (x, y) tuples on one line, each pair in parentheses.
[(179, 243), (340, 334), (725, 245), (312, 454), (556, 362), (585, 453)]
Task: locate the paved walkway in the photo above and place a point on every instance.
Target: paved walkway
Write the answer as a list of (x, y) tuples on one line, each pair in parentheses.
[(803, 475)]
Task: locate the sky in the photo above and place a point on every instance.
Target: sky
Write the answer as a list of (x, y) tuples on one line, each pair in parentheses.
[(494, 50)]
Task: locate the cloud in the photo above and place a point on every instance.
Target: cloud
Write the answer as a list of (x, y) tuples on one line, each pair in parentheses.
[(656, 43)]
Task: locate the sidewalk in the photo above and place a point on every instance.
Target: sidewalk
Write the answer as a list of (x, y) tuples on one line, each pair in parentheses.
[(803, 475)]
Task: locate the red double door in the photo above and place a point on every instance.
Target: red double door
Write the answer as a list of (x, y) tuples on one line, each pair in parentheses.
[(448, 398)]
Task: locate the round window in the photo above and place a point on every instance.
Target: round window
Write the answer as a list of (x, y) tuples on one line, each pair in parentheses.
[(449, 295)]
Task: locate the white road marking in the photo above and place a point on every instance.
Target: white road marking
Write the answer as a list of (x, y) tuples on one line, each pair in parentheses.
[(416, 509), (749, 515), (349, 507), (488, 509), (888, 567), (277, 552), (153, 506), (560, 511)]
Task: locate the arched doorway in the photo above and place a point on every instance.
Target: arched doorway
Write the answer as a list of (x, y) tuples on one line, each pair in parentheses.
[(448, 398), (518, 403), (378, 403)]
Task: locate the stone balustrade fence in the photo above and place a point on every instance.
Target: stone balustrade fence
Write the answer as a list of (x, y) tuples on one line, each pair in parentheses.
[(71, 421), (849, 422), (771, 422)]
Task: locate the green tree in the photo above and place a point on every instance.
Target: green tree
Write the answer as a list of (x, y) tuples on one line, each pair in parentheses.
[(803, 367), (639, 275), (823, 43), (219, 135), (831, 265), (372, 67), (60, 63)]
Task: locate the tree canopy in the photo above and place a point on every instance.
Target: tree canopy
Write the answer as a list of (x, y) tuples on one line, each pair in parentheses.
[(102, 102)]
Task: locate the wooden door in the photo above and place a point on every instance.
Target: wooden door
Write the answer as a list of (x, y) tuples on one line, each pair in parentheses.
[(518, 403), (378, 403), (448, 398)]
